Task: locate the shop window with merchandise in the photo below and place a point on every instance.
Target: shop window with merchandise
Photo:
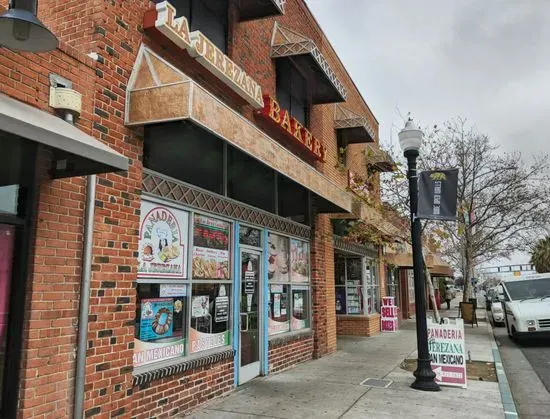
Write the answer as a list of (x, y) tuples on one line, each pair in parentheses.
[(182, 308), (289, 285), (356, 285)]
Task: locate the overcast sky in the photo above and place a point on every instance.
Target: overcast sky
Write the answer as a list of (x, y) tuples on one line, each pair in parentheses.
[(485, 60)]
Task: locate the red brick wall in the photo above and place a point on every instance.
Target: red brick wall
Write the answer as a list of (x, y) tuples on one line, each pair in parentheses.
[(286, 355), (322, 279), (358, 325), (178, 394)]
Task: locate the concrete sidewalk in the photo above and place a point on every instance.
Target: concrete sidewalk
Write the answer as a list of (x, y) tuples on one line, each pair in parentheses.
[(330, 387)]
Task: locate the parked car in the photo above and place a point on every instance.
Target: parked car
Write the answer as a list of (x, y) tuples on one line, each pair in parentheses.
[(497, 312), (526, 304), (490, 297)]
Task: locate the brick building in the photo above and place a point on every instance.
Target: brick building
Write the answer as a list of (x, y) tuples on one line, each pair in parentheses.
[(226, 136)]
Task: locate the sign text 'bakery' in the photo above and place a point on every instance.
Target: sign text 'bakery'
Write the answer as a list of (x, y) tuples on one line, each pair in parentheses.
[(162, 19), (292, 128)]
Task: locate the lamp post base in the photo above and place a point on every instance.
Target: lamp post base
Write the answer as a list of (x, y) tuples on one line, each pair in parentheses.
[(425, 377)]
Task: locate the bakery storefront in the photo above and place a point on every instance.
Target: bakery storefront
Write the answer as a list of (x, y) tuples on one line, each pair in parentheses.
[(227, 215)]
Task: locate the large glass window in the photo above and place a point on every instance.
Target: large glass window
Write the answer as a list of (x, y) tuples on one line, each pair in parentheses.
[(289, 284), (292, 91), (356, 285), (184, 289), (372, 286), (207, 16)]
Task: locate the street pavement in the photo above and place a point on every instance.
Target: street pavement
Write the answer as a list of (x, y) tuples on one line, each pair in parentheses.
[(330, 387), (527, 367)]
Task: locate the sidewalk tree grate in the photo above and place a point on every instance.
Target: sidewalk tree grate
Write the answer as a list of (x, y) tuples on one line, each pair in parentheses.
[(376, 382)]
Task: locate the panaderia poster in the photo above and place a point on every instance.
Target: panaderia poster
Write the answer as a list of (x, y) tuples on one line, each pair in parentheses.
[(211, 239), (162, 241)]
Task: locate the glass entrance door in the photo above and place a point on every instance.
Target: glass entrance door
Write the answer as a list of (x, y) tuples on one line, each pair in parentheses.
[(250, 309)]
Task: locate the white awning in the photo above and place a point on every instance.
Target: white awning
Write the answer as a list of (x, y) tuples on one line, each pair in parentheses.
[(83, 153)]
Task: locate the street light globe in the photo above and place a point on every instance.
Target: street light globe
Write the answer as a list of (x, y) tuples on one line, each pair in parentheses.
[(410, 137)]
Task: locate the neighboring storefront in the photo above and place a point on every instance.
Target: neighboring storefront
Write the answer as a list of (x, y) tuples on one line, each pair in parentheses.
[(357, 288)]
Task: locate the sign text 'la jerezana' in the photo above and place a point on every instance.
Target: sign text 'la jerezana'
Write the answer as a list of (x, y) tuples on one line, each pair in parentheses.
[(163, 19)]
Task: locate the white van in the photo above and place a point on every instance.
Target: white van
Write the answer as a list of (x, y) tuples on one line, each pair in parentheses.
[(526, 303)]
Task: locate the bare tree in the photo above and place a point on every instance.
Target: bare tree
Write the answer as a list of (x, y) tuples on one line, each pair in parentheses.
[(501, 200)]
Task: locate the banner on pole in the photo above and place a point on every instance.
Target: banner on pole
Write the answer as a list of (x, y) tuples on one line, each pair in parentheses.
[(437, 194)]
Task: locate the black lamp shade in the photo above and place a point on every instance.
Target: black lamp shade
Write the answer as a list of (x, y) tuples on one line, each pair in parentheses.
[(21, 30)]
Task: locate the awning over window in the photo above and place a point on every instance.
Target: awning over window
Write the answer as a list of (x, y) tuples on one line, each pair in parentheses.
[(287, 43), (159, 92), (352, 128), (378, 158), (76, 153), (257, 9)]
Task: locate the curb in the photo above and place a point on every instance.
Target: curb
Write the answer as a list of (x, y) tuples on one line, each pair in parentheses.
[(510, 411)]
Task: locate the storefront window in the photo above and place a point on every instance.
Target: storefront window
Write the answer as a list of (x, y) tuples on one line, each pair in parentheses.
[(372, 286), (250, 236), (289, 284), (356, 292), (178, 314)]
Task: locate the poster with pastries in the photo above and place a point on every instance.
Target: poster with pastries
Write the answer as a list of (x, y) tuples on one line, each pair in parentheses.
[(299, 260), (163, 236), (211, 238), (157, 316)]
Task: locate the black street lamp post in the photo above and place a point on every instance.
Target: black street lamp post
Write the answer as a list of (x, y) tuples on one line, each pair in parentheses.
[(410, 139)]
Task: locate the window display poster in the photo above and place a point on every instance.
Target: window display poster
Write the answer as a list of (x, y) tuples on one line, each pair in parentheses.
[(157, 315), (299, 260), (274, 327), (276, 305), (204, 341), (221, 313), (149, 352), (210, 248), (200, 306), (162, 244), (278, 269), (341, 300), (172, 290)]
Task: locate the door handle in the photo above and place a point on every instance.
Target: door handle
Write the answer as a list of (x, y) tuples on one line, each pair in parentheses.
[(244, 329)]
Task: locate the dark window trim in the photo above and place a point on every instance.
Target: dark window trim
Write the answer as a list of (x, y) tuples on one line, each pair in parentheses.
[(16, 312), (307, 100)]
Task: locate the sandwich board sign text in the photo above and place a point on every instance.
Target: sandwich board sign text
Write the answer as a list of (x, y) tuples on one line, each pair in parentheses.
[(448, 352)]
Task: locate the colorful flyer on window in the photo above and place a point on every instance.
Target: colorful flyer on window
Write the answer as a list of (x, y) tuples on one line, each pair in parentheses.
[(149, 352), (278, 268), (162, 241), (299, 260), (204, 341), (200, 306), (210, 248), (276, 305), (157, 315)]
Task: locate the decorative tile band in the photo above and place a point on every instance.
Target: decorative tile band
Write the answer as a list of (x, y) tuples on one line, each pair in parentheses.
[(191, 364), (189, 195)]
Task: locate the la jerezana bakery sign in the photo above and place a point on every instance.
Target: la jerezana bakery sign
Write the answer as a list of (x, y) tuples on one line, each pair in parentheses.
[(162, 20), (291, 128)]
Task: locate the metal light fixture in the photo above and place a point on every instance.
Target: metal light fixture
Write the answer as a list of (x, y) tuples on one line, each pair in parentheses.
[(410, 140), (21, 30), (410, 137)]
